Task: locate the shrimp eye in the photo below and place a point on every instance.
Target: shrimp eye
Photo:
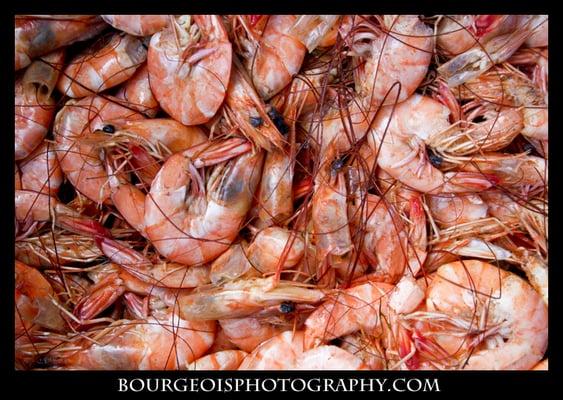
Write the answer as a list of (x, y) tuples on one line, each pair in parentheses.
[(278, 121), (256, 122), (338, 163), (434, 158), (41, 362), (287, 307), (109, 128)]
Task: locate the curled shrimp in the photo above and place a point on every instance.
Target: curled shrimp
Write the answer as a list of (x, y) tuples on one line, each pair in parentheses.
[(37, 36), (34, 104), (190, 66), (104, 68), (138, 25), (40, 171), (510, 313), (396, 141), (78, 158), (200, 232)]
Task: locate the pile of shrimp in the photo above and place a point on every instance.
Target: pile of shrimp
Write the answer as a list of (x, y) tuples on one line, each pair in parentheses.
[(308, 192)]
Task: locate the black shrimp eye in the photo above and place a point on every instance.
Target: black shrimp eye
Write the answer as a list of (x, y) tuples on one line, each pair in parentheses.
[(278, 121), (41, 362), (287, 307), (256, 122), (434, 158), (109, 128)]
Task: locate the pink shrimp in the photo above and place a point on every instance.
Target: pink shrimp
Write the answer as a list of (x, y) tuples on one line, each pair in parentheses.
[(104, 68), (79, 159), (34, 104), (40, 171), (190, 66), (37, 36), (136, 93), (138, 25)]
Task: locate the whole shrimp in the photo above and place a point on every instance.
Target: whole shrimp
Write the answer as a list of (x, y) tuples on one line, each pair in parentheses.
[(104, 68), (39, 35), (189, 67), (510, 312), (78, 158), (396, 141), (199, 231)]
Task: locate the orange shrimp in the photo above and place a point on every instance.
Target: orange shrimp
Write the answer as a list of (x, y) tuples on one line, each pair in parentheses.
[(40, 171), (79, 159), (396, 142), (37, 36), (248, 333), (458, 33), (161, 341), (511, 316), (136, 93), (104, 68), (220, 361), (190, 66), (138, 25), (34, 104), (200, 230), (450, 210)]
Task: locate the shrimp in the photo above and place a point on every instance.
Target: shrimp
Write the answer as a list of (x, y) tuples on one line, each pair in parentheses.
[(450, 210), (315, 30), (40, 171), (34, 105), (359, 307), (274, 57), (479, 59), (243, 297), (37, 36), (219, 361), (248, 333), (245, 111), (79, 159), (398, 51), (458, 33), (189, 67), (276, 189), (51, 249), (286, 351), (162, 135), (136, 93), (104, 68), (366, 348), (396, 141), (198, 231), (138, 25), (513, 314), (162, 341), (34, 297)]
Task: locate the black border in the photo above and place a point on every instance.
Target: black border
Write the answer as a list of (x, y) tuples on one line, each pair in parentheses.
[(73, 383)]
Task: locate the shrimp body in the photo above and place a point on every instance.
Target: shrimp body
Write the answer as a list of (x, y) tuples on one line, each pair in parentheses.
[(40, 171), (450, 210), (346, 312), (162, 341), (278, 56), (136, 93), (79, 159), (397, 140), (34, 307), (401, 53), (137, 25), (189, 67), (248, 333), (459, 287), (35, 37), (33, 118), (197, 233), (219, 361), (113, 64)]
